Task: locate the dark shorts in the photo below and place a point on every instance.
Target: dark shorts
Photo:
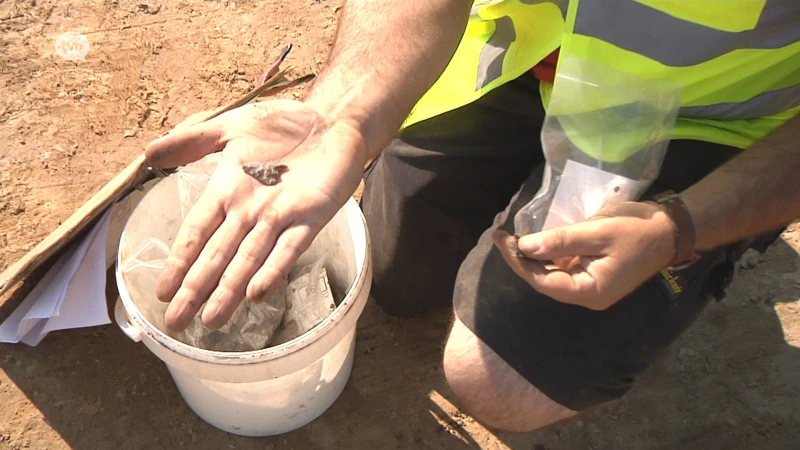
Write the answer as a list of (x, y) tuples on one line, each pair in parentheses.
[(431, 202)]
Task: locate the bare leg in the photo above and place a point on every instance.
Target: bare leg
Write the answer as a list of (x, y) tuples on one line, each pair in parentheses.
[(491, 390)]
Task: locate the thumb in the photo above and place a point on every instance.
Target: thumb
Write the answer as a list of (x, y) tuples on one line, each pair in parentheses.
[(581, 239), (186, 143)]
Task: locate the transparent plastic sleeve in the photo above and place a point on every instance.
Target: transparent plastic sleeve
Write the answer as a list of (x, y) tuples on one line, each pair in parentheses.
[(604, 138)]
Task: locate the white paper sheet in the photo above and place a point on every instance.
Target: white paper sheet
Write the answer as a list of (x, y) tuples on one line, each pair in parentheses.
[(584, 190), (71, 294)]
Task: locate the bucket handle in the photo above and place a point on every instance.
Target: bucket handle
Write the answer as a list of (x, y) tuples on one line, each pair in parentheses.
[(124, 322)]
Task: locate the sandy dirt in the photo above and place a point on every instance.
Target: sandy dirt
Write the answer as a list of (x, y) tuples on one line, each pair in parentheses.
[(67, 127)]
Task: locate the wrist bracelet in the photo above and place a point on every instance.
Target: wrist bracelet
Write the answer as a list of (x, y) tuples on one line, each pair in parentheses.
[(685, 236)]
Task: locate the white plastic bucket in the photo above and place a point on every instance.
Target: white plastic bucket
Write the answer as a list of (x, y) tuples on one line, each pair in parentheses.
[(264, 392)]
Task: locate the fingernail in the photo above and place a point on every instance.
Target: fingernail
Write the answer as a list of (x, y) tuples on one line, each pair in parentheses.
[(173, 322), (529, 244), (211, 320)]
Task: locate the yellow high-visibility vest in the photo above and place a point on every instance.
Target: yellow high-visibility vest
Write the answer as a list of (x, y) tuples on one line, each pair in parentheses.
[(737, 60)]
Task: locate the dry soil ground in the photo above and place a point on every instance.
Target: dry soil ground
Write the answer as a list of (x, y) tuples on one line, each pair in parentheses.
[(67, 127)]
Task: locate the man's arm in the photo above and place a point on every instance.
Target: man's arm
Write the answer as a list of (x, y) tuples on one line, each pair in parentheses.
[(756, 192), (386, 55), (242, 238)]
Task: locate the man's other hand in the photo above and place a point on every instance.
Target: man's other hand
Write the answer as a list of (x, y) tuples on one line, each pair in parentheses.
[(597, 262)]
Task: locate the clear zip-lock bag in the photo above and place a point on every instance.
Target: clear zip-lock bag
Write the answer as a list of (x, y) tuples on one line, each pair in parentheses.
[(604, 138)]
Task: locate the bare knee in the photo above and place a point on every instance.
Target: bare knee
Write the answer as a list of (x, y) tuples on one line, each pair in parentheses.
[(491, 390)]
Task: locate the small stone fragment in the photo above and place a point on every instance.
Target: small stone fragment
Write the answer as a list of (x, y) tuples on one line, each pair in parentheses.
[(266, 173), (514, 247), (148, 8)]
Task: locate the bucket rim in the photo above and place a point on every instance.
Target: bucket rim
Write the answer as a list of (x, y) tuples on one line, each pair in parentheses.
[(358, 229)]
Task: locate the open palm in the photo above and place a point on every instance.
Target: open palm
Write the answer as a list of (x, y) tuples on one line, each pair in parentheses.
[(242, 237)]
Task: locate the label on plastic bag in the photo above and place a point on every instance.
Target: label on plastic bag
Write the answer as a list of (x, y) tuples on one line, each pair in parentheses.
[(306, 306)]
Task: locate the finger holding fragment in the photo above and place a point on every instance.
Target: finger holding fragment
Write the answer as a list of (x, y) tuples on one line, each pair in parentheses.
[(572, 286)]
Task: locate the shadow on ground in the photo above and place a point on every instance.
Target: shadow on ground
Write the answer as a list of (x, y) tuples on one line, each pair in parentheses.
[(729, 382)]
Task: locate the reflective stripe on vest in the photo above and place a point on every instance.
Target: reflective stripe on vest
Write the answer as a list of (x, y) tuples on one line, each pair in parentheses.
[(733, 98), (503, 40), (678, 43), (490, 61), (739, 62), (762, 105)]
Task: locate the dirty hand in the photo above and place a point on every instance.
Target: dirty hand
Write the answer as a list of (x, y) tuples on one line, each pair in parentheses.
[(597, 262), (242, 237)]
